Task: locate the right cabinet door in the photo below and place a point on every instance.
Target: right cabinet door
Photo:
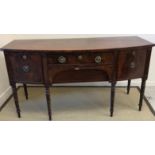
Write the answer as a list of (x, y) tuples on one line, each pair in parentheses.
[(131, 64)]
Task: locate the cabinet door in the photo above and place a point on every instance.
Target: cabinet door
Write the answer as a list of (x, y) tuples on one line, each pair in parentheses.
[(131, 64), (25, 67)]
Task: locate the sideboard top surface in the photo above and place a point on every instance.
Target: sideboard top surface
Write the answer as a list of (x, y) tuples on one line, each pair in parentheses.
[(77, 44)]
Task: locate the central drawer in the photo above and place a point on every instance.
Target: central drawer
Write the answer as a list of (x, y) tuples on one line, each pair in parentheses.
[(105, 58)]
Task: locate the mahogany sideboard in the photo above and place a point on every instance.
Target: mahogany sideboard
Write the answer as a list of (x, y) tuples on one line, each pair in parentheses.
[(53, 61)]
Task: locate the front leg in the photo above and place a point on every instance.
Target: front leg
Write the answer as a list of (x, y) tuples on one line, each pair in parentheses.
[(25, 91), (129, 86), (14, 90), (113, 85), (48, 98), (142, 94)]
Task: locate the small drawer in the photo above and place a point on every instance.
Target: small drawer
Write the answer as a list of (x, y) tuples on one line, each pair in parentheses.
[(80, 58)]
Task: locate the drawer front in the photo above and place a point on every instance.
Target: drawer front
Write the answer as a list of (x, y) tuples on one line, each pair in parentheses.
[(25, 67), (80, 67), (131, 64), (80, 58)]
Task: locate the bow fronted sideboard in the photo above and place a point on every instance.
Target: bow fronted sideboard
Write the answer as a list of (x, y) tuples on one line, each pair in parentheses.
[(53, 61)]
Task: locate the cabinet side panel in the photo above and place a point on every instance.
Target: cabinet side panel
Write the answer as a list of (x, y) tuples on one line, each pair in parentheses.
[(9, 67)]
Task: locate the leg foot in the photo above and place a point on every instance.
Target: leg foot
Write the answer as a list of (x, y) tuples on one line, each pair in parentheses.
[(142, 94), (47, 89), (129, 86), (25, 91), (112, 98), (14, 89)]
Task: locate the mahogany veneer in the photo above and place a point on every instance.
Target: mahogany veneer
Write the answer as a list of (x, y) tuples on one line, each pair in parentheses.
[(77, 60)]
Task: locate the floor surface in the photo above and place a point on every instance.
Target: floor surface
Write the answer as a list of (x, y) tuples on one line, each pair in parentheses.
[(150, 94), (77, 104)]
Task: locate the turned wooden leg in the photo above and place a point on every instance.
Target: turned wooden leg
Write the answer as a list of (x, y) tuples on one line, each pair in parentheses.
[(129, 86), (113, 84), (142, 94), (47, 90), (25, 91), (14, 90)]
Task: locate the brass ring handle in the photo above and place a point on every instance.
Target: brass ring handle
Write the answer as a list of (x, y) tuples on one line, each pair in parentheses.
[(62, 59), (98, 59), (24, 57), (80, 57), (26, 68)]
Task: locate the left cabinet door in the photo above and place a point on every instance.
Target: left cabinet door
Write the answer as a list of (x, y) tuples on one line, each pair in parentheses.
[(24, 67)]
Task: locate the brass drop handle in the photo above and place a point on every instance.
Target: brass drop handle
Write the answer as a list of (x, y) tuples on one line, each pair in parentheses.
[(133, 53), (98, 59), (76, 68), (62, 59), (26, 68), (132, 65), (80, 57), (24, 57)]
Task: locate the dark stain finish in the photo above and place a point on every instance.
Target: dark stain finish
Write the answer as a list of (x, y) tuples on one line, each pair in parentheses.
[(81, 44), (25, 68), (77, 60)]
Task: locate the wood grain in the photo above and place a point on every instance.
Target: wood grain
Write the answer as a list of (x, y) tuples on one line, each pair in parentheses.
[(70, 45), (37, 62)]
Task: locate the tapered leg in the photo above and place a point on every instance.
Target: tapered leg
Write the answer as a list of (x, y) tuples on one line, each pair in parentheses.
[(14, 89), (142, 94), (129, 86), (25, 91), (47, 89), (113, 84)]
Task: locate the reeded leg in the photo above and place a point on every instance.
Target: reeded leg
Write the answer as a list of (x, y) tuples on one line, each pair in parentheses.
[(47, 90), (142, 94), (25, 91), (14, 89), (113, 84), (129, 86)]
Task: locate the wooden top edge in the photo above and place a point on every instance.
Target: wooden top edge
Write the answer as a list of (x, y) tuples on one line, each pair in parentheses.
[(77, 44)]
